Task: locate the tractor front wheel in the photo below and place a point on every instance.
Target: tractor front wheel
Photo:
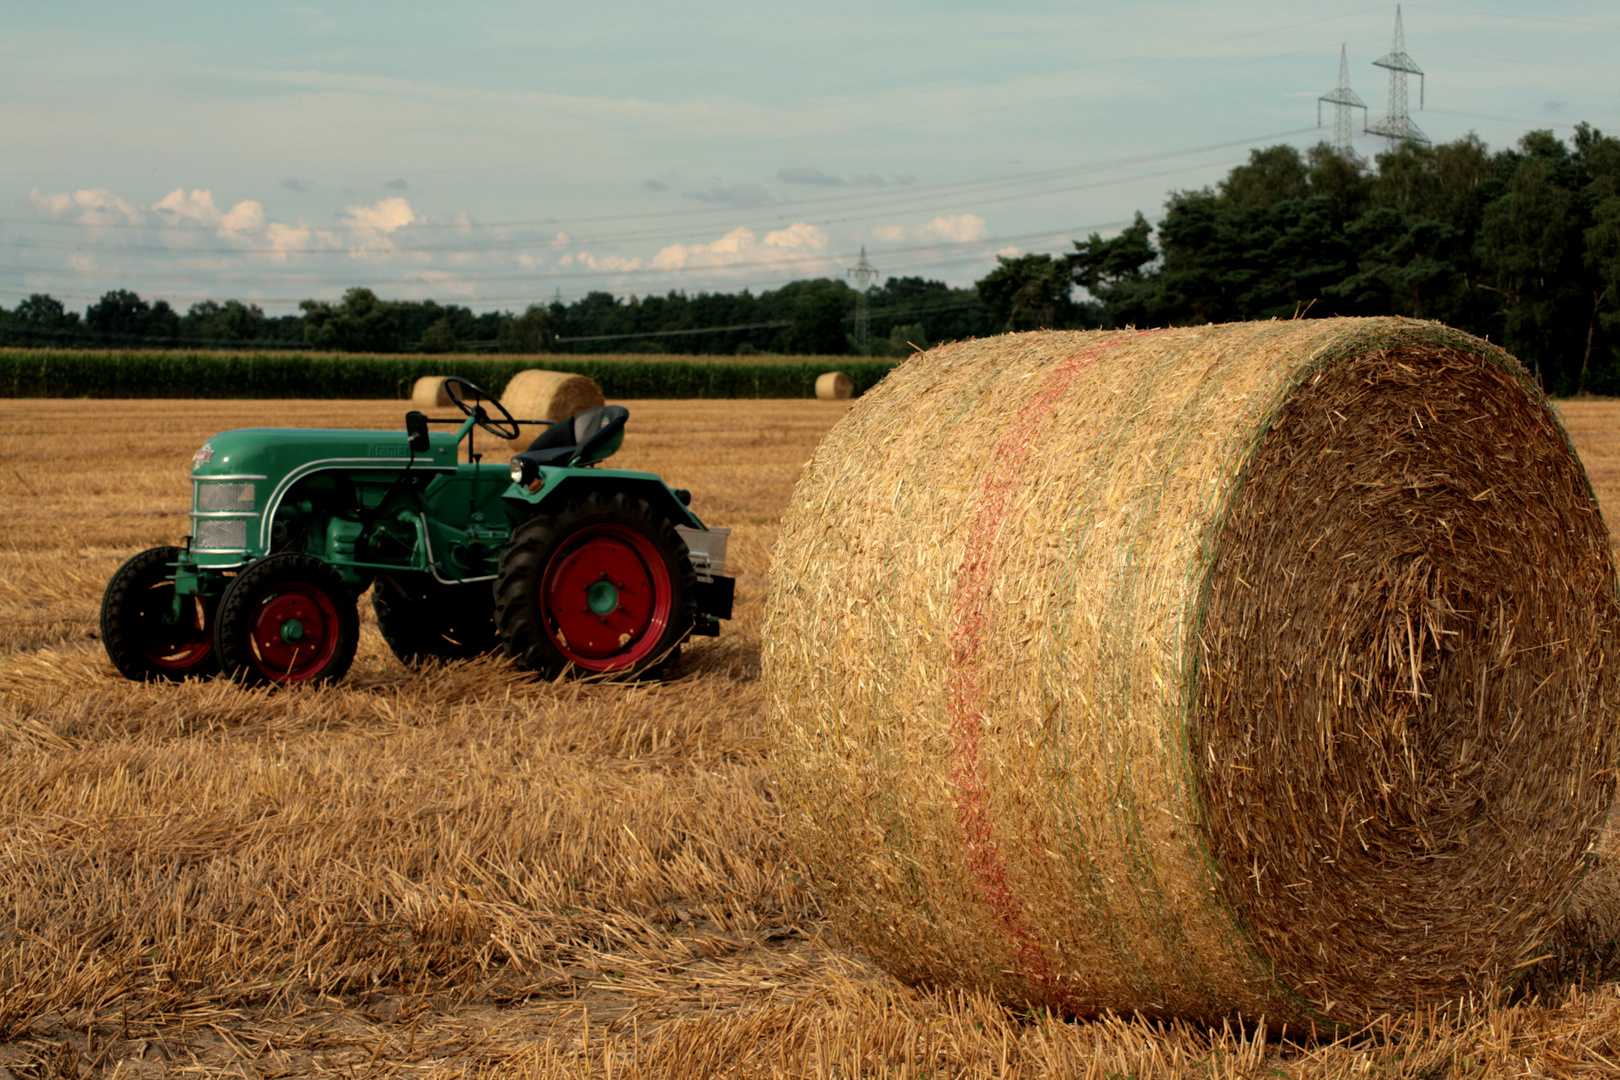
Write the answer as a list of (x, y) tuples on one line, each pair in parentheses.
[(603, 587), (146, 633), (288, 618)]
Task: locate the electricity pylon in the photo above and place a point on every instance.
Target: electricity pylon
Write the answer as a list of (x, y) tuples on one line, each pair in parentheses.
[(1343, 99), (1398, 126), (865, 275)]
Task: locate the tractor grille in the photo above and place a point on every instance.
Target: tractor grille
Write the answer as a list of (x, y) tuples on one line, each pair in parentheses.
[(224, 496), (220, 534)]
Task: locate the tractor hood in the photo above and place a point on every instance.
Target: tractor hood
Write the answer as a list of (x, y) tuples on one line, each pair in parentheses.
[(271, 453)]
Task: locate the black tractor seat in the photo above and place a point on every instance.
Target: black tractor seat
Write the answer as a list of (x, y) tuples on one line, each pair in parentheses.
[(589, 437)]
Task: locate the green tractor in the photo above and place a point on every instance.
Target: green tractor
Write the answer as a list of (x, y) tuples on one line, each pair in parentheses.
[(571, 568)]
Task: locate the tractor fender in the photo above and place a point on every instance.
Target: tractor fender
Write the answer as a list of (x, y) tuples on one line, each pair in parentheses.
[(555, 488)]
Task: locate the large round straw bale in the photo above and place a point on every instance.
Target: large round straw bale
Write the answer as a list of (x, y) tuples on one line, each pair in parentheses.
[(833, 386), (429, 393), (548, 395), (1257, 669)]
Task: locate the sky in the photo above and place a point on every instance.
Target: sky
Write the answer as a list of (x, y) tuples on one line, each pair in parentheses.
[(495, 154)]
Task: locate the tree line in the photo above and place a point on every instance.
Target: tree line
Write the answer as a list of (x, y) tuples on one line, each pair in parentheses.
[(802, 317), (1521, 246)]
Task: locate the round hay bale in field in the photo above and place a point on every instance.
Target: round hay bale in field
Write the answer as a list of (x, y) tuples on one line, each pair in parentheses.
[(548, 395), (1262, 669), (833, 386), (429, 393)]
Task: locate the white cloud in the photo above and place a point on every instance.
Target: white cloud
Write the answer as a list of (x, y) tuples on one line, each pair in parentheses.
[(99, 206), (288, 240), (369, 226), (798, 235), (382, 216), (245, 217), (1011, 251), (610, 263), (729, 248), (957, 228), (953, 228), (742, 246), (198, 206)]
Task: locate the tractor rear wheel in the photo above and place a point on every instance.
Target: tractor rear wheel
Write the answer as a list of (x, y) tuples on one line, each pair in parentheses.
[(603, 587), (424, 619), (144, 635), (288, 618)]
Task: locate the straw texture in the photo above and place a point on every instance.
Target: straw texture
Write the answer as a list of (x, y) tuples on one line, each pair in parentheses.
[(548, 395), (1259, 669), (833, 386), (429, 393)]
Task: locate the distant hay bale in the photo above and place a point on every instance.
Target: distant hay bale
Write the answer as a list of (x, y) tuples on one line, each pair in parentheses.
[(429, 393), (1263, 669), (833, 386), (548, 395)]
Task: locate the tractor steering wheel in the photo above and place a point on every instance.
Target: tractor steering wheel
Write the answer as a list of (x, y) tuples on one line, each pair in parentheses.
[(498, 428)]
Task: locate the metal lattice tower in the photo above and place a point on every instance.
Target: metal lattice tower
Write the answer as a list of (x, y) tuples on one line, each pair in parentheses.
[(1398, 126), (1343, 99), (865, 275)]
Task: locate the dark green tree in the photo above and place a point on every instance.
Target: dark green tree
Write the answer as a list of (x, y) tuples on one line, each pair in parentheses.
[(530, 332), (41, 320), (1530, 245), (1115, 271), (1342, 182), (1603, 260), (440, 337), (232, 323), (1271, 176), (362, 323), (120, 319), (819, 314), (1030, 292)]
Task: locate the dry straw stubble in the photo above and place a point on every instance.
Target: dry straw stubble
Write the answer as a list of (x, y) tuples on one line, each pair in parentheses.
[(1258, 669)]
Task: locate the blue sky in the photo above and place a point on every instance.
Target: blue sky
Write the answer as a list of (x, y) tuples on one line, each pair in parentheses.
[(493, 154)]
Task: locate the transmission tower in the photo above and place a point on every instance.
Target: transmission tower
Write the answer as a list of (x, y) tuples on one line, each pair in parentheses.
[(1398, 126), (1343, 99), (865, 275)]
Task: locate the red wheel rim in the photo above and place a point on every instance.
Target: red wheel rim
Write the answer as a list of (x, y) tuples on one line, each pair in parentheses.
[(169, 643), (607, 598), (293, 632)]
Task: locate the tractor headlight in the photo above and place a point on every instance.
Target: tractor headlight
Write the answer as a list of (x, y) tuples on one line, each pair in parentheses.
[(523, 470)]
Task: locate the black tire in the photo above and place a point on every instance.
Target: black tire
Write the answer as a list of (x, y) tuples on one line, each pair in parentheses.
[(288, 618), (649, 613), (138, 627), (424, 619)]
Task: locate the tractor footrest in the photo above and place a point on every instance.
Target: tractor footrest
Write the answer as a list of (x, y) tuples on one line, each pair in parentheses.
[(714, 598)]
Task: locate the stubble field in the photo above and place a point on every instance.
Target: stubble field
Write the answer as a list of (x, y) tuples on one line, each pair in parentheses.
[(455, 870)]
